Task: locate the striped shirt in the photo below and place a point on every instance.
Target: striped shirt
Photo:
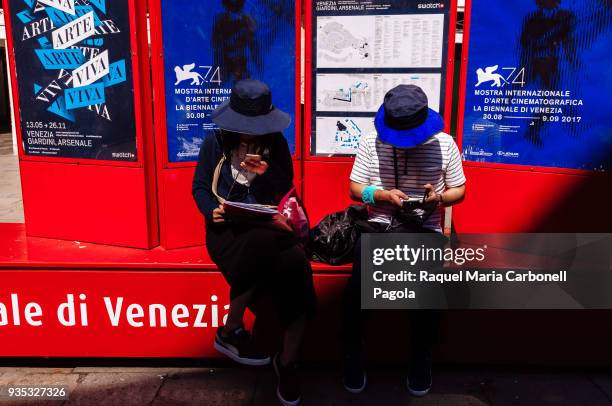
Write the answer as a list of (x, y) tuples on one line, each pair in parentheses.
[(436, 161)]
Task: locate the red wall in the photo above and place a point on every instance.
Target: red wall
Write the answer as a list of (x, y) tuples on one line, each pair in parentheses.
[(506, 200), (326, 189), (102, 204)]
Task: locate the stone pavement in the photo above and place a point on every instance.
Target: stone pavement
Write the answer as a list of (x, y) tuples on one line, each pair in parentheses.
[(11, 203), (321, 386)]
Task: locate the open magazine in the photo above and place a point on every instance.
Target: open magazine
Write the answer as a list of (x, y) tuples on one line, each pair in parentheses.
[(288, 207), (238, 209), (262, 211)]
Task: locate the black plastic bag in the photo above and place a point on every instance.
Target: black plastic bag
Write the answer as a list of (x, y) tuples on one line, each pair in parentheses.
[(333, 240)]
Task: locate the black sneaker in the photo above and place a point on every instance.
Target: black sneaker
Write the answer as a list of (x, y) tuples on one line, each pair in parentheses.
[(239, 347), (419, 378), (288, 384), (355, 378)]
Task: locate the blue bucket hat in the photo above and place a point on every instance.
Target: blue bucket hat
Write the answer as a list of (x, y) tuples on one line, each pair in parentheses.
[(249, 110), (405, 120)]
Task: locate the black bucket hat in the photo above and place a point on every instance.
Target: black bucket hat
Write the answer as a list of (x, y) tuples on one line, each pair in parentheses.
[(249, 110)]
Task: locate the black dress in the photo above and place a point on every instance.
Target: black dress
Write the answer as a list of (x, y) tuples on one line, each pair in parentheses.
[(253, 256)]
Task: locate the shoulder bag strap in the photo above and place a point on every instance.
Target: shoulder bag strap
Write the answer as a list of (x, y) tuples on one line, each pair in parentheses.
[(215, 181)]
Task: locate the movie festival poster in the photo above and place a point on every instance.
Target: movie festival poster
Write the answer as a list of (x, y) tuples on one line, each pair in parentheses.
[(217, 43), (535, 76)]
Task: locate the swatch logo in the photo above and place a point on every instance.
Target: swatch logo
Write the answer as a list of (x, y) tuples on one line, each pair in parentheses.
[(431, 5)]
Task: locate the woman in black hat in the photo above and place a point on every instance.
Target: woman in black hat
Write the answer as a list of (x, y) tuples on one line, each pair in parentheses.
[(253, 165)]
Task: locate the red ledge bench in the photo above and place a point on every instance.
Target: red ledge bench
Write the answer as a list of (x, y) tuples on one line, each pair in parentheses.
[(185, 281), (45, 271)]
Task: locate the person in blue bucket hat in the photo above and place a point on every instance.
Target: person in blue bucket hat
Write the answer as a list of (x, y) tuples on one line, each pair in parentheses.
[(405, 120), (405, 172)]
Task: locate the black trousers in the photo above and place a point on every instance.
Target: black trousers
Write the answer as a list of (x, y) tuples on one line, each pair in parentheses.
[(270, 261), (423, 323)]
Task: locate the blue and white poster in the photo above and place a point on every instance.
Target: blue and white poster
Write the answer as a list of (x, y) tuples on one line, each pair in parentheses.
[(74, 74), (208, 46), (539, 83)]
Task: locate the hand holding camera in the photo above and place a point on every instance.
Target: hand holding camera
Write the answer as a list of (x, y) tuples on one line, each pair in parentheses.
[(428, 203)]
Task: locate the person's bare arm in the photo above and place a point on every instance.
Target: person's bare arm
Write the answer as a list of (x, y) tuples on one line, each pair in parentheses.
[(449, 197), (393, 196)]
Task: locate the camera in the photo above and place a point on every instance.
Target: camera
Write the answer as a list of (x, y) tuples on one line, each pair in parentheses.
[(412, 203)]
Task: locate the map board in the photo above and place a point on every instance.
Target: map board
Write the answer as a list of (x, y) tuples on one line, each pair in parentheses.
[(362, 50)]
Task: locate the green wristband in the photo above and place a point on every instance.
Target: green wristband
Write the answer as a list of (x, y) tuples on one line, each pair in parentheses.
[(367, 196)]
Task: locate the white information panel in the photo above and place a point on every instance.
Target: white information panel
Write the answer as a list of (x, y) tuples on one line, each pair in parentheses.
[(364, 92), (361, 50), (380, 41)]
